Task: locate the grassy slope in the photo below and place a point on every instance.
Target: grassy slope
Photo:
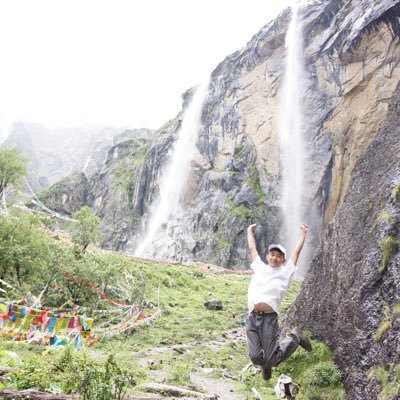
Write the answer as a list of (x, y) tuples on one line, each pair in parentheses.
[(181, 291)]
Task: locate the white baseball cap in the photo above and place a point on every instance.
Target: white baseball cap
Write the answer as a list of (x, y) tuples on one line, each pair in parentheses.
[(278, 247)]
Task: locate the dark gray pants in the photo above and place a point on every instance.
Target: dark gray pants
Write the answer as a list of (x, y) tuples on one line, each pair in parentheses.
[(263, 340)]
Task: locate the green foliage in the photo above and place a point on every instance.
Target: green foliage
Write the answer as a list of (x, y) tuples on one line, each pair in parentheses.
[(7, 358), (108, 382), (125, 169), (241, 211), (180, 291), (242, 150), (385, 325), (389, 380), (385, 216), (389, 248), (87, 230), (12, 168), (36, 264), (55, 189), (320, 377), (180, 373), (396, 191), (254, 181), (32, 374), (290, 295), (323, 374), (25, 251), (316, 373), (73, 372), (219, 242)]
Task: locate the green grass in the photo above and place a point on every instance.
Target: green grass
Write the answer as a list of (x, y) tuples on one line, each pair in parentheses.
[(385, 325), (317, 375), (179, 373), (254, 181), (204, 338), (396, 191), (241, 211), (389, 379), (389, 248), (385, 216)]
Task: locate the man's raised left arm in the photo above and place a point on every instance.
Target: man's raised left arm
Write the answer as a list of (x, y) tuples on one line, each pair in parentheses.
[(300, 243)]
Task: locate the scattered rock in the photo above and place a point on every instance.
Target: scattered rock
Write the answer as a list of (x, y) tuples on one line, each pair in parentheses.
[(206, 370), (213, 305)]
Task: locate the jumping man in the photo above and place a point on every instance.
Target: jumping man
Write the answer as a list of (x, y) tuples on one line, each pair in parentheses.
[(267, 288)]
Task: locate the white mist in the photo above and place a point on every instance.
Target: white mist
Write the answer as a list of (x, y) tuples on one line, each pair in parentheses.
[(173, 180), (290, 130)]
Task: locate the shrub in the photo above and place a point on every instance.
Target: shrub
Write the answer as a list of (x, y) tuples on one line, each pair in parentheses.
[(107, 383), (323, 381), (323, 374), (74, 371)]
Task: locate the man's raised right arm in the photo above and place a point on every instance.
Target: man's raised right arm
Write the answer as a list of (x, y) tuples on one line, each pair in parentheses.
[(252, 242)]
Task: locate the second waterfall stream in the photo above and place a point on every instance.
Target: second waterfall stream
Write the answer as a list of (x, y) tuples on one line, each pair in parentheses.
[(173, 180)]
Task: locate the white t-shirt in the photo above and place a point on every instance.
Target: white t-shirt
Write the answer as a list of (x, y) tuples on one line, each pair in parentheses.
[(268, 285)]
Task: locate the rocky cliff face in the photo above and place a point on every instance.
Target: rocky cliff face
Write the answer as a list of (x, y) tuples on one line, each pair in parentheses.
[(352, 68), (351, 56), (355, 308), (111, 189)]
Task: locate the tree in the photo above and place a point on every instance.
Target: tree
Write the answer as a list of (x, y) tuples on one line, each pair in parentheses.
[(86, 230), (25, 252), (12, 168)]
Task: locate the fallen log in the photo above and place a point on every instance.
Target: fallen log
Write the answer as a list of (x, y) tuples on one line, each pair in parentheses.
[(176, 391), (5, 370), (34, 395)]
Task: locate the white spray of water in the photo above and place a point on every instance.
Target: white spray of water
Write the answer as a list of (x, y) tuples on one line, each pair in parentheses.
[(173, 181), (290, 127), (87, 163)]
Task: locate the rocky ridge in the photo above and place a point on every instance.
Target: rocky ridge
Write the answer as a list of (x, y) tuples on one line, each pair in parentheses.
[(54, 154)]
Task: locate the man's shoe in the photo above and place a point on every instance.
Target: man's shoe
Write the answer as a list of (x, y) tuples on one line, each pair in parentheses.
[(304, 342), (266, 373)]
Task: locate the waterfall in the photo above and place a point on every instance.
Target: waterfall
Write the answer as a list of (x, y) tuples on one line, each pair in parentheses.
[(290, 127), (173, 180)]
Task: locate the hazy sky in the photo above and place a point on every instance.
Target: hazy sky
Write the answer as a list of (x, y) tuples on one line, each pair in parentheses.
[(115, 62)]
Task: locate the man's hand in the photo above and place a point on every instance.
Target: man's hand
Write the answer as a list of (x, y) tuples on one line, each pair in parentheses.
[(251, 241), (300, 243), (251, 228), (304, 228)]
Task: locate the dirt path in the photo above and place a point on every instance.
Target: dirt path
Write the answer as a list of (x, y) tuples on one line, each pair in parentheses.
[(225, 388), (201, 379)]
